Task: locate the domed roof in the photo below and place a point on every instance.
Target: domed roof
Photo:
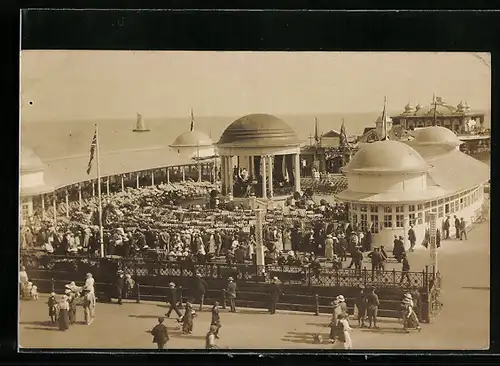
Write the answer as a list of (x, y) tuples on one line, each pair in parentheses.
[(435, 135), (255, 130), (29, 161), (192, 139), (409, 108), (387, 157)]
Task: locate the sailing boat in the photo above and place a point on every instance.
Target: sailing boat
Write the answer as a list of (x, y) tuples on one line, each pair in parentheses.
[(140, 126)]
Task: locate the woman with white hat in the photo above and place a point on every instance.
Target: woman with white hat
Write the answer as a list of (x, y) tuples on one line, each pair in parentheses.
[(63, 313), (342, 303), (329, 247), (410, 319), (89, 302)]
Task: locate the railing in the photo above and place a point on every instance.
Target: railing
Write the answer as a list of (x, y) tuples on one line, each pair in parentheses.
[(106, 268)]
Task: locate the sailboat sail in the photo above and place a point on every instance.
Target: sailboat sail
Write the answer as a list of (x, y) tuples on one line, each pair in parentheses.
[(140, 126)]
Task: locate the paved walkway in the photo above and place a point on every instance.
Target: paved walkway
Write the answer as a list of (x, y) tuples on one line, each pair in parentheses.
[(462, 324)]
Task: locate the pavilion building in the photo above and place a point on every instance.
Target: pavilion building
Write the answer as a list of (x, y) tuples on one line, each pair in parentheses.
[(393, 185), (268, 148)]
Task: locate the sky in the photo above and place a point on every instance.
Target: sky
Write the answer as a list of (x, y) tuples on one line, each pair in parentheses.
[(64, 85)]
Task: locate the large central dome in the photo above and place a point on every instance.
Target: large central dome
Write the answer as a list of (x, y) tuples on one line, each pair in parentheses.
[(387, 157), (256, 130)]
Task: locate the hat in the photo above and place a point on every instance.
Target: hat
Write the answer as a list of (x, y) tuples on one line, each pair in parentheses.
[(71, 285), (198, 275), (408, 296), (275, 278), (361, 285), (120, 271), (230, 279), (171, 284), (335, 302), (52, 294), (341, 298), (67, 291), (329, 236), (89, 275)]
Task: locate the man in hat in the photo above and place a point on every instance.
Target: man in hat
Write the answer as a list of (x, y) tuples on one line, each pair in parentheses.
[(412, 238), (457, 227), (200, 289), (120, 285), (357, 260), (172, 300), (372, 304), (231, 294), (463, 229), (446, 228), (274, 294), (160, 334), (89, 280), (333, 324), (405, 269), (361, 306)]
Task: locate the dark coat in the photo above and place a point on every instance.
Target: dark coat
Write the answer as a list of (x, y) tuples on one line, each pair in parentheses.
[(172, 296), (276, 291), (160, 334), (231, 290), (406, 265), (411, 236), (372, 300), (200, 286), (215, 316)]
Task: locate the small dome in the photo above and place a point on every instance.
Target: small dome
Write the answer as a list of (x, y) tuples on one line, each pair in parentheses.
[(387, 157), (418, 107), (259, 130), (192, 139), (435, 135), (30, 162), (409, 108)]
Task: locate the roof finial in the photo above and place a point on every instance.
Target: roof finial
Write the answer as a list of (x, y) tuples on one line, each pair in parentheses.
[(384, 121), (192, 120)]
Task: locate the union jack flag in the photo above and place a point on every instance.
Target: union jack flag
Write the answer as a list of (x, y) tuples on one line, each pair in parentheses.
[(93, 146)]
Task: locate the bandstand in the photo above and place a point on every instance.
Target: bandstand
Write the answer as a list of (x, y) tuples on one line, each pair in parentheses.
[(269, 150)]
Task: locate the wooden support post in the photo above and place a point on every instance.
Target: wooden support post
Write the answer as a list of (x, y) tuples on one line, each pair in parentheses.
[(123, 183), (80, 203), (93, 189), (43, 207), (152, 178), (316, 298), (138, 292), (183, 173), (168, 175), (67, 202), (137, 180), (223, 298), (107, 186), (55, 208)]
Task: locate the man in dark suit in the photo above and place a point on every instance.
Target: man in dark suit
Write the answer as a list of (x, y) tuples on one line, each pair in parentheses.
[(275, 294), (412, 238), (376, 260), (446, 228), (357, 260), (160, 334), (215, 322), (231, 294), (372, 304), (172, 300), (200, 289), (405, 270), (457, 227), (120, 285)]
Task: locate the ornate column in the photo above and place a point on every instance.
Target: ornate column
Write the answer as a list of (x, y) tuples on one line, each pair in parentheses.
[(263, 167), (107, 186), (270, 179), (168, 175), (406, 225), (123, 183), (93, 189), (80, 196), (152, 178), (137, 180), (297, 172), (183, 173), (251, 167), (200, 167), (231, 176), (54, 203), (67, 202)]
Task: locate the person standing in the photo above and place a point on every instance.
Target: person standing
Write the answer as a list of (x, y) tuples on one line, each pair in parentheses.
[(120, 285), (275, 294), (361, 306), (357, 260), (405, 269), (410, 319), (412, 238), (446, 228), (89, 302), (417, 301), (187, 319), (89, 280), (334, 322), (372, 304), (329, 247), (342, 304), (72, 306), (52, 303), (457, 227), (215, 322), (160, 334), (376, 259), (63, 313), (210, 338), (463, 229), (344, 330), (200, 289), (172, 300), (231, 294)]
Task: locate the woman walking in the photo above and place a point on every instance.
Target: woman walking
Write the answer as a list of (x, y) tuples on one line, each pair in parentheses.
[(187, 319), (89, 302), (344, 330), (410, 319), (63, 313)]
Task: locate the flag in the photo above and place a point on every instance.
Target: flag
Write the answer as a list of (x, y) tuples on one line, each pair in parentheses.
[(93, 146), (343, 135), (192, 120)]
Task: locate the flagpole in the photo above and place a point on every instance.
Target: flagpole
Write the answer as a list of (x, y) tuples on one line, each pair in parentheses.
[(98, 158)]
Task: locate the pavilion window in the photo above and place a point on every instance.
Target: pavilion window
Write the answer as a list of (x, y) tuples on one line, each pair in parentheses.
[(363, 208), (440, 202), (388, 209), (434, 203), (447, 209), (427, 205), (461, 204), (419, 218), (25, 210), (354, 207), (399, 208), (354, 218), (457, 206), (364, 222), (412, 220), (411, 208), (374, 220), (419, 207), (387, 221), (440, 211), (374, 208), (427, 216), (399, 220), (447, 199)]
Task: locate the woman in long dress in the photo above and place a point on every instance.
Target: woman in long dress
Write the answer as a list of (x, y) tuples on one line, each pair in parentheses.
[(410, 319), (329, 247), (287, 239), (279, 241), (187, 319), (63, 313)]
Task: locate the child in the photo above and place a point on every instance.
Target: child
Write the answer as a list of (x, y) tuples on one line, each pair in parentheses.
[(27, 289), (52, 307), (34, 292), (129, 285), (343, 331)]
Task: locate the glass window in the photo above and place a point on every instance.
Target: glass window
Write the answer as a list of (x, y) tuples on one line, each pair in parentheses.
[(434, 203), (364, 222), (399, 208), (461, 204), (25, 210), (363, 208), (434, 210), (447, 199), (447, 208), (374, 208), (374, 220), (419, 216), (354, 218), (411, 208), (412, 220), (388, 209), (427, 205), (399, 220), (457, 206), (419, 207), (427, 215), (387, 220), (440, 202), (440, 211), (354, 207)]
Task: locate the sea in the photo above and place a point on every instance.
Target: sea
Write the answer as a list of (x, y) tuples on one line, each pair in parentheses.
[(54, 140)]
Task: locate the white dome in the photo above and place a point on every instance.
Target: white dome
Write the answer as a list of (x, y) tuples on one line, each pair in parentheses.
[(192, 139), (387, 157), (436, 135)]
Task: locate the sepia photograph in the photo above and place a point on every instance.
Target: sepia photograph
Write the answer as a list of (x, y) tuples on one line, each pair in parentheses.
[(218, 200)]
